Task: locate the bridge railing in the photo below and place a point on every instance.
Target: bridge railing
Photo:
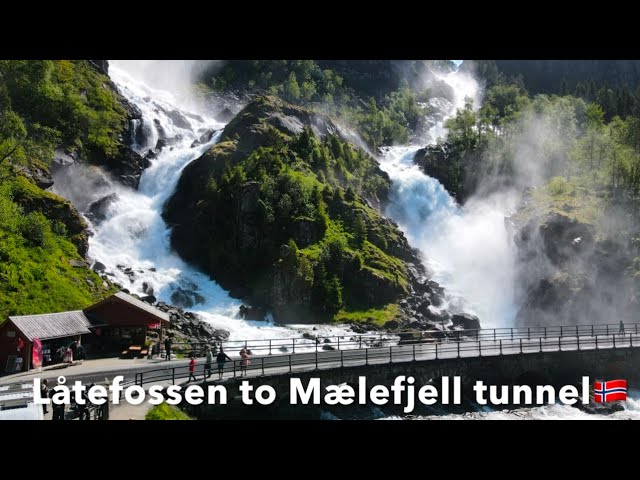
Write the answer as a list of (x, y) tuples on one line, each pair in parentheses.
[(467, 348), (313, 343)]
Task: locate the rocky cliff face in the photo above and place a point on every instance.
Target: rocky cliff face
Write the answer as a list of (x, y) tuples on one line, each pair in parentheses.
[(282, 213), (571, 270)]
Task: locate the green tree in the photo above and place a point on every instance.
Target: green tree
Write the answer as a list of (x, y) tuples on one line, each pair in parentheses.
[(359, 231), (291, 87)]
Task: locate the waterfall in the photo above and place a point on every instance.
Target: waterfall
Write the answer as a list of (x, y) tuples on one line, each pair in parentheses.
[(133, 241), (467, 249)]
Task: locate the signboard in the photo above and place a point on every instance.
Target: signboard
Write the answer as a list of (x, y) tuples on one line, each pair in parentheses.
[(14, 364), (154, 326)]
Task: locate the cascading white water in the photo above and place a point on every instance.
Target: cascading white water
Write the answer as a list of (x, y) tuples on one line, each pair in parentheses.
[(467, 249), (134, 234)]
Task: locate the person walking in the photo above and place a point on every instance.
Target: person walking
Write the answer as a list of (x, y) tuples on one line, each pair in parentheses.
[(81, 352), (44, 393), (68, 356), (57, 409), (245, 362), (621, 330), (168, 342), (192, 369), (208, 361), (221, 358)]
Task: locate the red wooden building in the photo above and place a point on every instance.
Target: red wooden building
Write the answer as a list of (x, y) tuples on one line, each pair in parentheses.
[(105, 328)]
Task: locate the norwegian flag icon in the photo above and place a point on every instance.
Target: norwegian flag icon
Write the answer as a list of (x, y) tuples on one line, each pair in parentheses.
[(610, 391)]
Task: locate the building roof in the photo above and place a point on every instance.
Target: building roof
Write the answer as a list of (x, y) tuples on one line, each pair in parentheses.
[(52, 325), (139, 304)]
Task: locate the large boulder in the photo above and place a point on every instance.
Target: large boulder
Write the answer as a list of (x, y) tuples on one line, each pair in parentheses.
[(238, 225), (466, 321), (98, 210)]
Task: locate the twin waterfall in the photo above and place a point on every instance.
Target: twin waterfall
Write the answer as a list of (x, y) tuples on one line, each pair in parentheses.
[(465, 249)]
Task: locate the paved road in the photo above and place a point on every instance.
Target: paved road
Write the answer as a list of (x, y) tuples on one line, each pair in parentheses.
[(159, 371), (281, 364)]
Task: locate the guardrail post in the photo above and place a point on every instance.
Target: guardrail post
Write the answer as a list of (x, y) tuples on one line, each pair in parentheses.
[(561, 332), (494, 334), (577, 334), (592, 330), (479, 348), (414, 352), (511, 333), (614, 341), (560, 343), (141, 378), (578, 339), (528, 333), (458, 335), (540, 344), (316, 359), (636, 328), (341, 358), (631, 340), (359, 342), (173, 376), (459, 349), (316, 345), (521, 346), (293, 345), (269, 347), (366, 356), (234, 369), (545, 332), (436, 351), (338, 342), (262, 365), (596, 342), (390, 354), (290, 366), (500, 346), (607, 329)]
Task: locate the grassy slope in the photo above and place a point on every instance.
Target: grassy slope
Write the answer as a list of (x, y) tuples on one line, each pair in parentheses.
[(36, 275)]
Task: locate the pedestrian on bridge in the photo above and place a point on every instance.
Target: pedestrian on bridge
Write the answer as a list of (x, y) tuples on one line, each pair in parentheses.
[(192, 369), (168, 342), (221, 358), (621, 330), (245, 362), (208, 361)]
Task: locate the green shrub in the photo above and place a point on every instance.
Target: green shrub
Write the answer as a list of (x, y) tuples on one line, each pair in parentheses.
[(164, 411)]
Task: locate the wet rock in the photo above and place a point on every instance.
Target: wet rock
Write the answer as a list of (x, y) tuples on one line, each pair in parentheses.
[(149, 299), (178, 119), (224, 115), (204, 138), (146, 288), (78, 263), (98, 210), (466, 321), (99, 267), (392, 324), (182, 298), (252, 313)]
